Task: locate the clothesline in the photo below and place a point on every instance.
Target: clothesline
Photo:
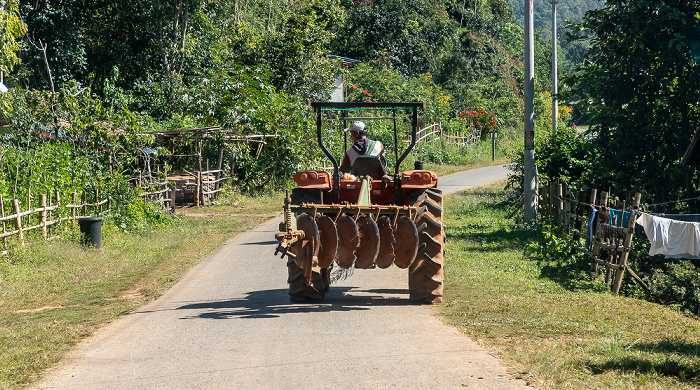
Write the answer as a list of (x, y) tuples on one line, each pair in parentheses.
[(668, 237), (673, 201)]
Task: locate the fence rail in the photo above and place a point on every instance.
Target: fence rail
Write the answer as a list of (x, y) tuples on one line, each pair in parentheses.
[(41, 217), (603, 227), (192, 188), (435, 132)]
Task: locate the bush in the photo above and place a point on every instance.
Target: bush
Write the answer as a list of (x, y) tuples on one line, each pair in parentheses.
[(555, 247), (677, 284)]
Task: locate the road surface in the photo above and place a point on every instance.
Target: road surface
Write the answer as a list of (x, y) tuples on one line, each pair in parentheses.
[(473, 178), (229, 324)]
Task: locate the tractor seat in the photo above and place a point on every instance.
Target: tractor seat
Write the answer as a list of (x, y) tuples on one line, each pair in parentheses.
[(368, 166)]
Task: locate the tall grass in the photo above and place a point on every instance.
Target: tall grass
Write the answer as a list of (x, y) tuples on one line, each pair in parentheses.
[(53, 294), (554, 327)]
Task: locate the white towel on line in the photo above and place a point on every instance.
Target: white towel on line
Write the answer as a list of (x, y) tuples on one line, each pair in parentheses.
[(671, 238)]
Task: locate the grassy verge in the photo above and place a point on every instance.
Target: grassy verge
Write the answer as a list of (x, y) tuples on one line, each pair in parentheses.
[(557, 329), (54, 294)]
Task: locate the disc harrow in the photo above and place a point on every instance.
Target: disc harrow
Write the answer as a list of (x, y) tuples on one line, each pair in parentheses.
[(363, 237)]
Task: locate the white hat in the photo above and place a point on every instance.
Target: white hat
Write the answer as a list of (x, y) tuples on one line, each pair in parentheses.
[(357, 126)]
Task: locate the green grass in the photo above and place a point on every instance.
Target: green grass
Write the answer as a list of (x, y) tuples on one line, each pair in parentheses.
[(553, 326), (54, 294)]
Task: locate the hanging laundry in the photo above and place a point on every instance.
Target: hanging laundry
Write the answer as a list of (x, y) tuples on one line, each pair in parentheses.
[(681, 217), (615, 216), (671, 238), (591, 228)]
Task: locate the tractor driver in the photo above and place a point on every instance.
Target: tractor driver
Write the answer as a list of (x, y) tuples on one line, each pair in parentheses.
[(362, 146)]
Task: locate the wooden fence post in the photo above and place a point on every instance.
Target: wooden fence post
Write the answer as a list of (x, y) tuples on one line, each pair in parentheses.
[(83, 197), (580, 210), (552, 204), (543, 205), (29, 207), (74, 209), (173, 188), (58, 202), (200, 190), (626, 243), (598, 233), (569, 201), (42, 215), (560, 204), (4, 228), (594, 195), (18, 219), (97, 201)]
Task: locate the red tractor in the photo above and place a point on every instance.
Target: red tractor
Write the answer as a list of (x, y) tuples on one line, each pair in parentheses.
[(367, 219)]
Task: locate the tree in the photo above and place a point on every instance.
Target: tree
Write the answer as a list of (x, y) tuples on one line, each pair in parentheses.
[(407, 35), (642, 83), (11, 28)]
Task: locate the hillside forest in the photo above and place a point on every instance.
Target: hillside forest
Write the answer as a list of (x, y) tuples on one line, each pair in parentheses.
[(88, 82)]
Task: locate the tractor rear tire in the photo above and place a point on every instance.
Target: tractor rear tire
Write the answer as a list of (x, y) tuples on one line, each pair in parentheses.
[(426, 273), (299, 289)]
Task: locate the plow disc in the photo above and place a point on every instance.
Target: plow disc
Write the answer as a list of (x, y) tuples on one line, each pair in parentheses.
[(406, 242), (307, 253), (386, 243), (369, 243), (305, 278), (348, 240), (328, 241)]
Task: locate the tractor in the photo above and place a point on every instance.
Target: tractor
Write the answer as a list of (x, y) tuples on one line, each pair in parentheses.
[(366, 218)]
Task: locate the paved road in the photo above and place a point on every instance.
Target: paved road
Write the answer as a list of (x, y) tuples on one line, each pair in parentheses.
[(228, 324), (472, 178)]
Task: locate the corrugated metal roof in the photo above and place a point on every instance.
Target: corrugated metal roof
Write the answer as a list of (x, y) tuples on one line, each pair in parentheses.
[(347, 62)]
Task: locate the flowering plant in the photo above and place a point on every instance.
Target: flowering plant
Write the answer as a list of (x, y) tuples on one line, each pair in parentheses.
[(480, 120), (355, 94)]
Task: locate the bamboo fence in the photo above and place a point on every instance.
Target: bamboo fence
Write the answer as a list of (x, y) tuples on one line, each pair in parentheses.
[(49, 213), (191, 188), (435, 132), (609, 247)]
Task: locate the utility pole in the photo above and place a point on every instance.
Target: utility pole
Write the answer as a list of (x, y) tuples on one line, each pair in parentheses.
[(530, 184), (555, 78)]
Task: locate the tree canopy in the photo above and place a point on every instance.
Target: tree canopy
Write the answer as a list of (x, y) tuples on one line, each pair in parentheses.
[(247, 65), (641, 81)]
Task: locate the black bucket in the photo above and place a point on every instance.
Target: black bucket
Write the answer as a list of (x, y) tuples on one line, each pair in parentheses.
[(91, 229), (418, 165)]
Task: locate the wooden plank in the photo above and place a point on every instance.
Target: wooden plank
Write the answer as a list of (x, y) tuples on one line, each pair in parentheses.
[(18, 219), (9, 233), (627, 243), (614, 248), (609, 265), (215, 181), (42, 215), (2, 215), (637, 279), (83, 201), (212, 192), (74, 211), (97, 197)]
